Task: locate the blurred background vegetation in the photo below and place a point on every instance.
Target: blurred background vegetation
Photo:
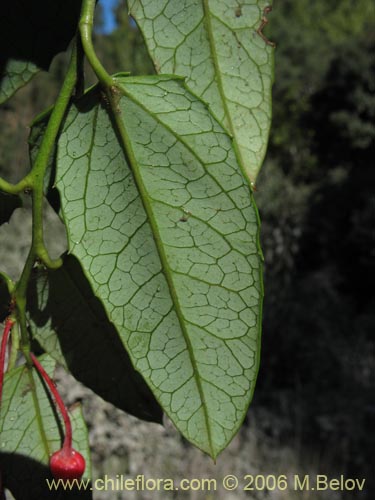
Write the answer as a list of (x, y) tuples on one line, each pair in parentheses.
[(316, 199)]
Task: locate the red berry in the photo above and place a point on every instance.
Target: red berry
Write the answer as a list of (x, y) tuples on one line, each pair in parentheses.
[(67, 464)]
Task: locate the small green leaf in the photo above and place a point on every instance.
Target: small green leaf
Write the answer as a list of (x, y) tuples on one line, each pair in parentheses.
[(8, 204), (216, 46), (15, 75), (166, 230), (69, 322), (31, 431), (31, 34)]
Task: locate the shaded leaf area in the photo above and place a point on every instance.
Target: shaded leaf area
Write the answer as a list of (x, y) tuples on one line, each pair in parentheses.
[(8, 204), (167, 235), (15, 74), (217, 47), (31, 430), (70, 323), (31, 34)]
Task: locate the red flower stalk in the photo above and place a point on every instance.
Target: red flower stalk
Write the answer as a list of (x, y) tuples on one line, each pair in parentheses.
[(66, 463), (4, 342)]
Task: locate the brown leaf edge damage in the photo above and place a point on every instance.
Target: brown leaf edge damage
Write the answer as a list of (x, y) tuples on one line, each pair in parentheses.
[(263, 23)]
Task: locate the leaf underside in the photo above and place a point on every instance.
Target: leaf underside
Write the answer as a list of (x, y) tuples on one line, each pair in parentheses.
[(22, 438), (165, 228), (217, 47)]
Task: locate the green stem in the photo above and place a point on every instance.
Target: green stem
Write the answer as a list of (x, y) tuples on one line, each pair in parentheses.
[(36, 177), (86, 24), (10, 188), (8, 281), (57, 115)]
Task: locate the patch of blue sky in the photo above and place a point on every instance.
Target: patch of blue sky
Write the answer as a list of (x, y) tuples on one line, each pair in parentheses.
[(108, 16)]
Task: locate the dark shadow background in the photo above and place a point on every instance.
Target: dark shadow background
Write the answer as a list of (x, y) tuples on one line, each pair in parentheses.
[(317, 203), (316, 195)]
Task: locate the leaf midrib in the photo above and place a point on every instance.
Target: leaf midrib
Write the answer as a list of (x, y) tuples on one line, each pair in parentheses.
[(128, 151), (232, 130)]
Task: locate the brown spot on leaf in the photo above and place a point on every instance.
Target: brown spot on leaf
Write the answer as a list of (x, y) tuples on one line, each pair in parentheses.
[(186, 216)]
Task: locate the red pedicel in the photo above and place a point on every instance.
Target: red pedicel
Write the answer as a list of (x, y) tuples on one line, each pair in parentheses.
[(4, 342), (66, 463)]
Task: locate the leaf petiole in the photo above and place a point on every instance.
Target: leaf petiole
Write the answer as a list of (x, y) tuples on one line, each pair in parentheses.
[(86, 23)]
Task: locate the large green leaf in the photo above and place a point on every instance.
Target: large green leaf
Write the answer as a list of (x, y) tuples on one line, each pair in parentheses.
[(31, 34), (165, 227), (31, 431), (217, 46), (70, 324)]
